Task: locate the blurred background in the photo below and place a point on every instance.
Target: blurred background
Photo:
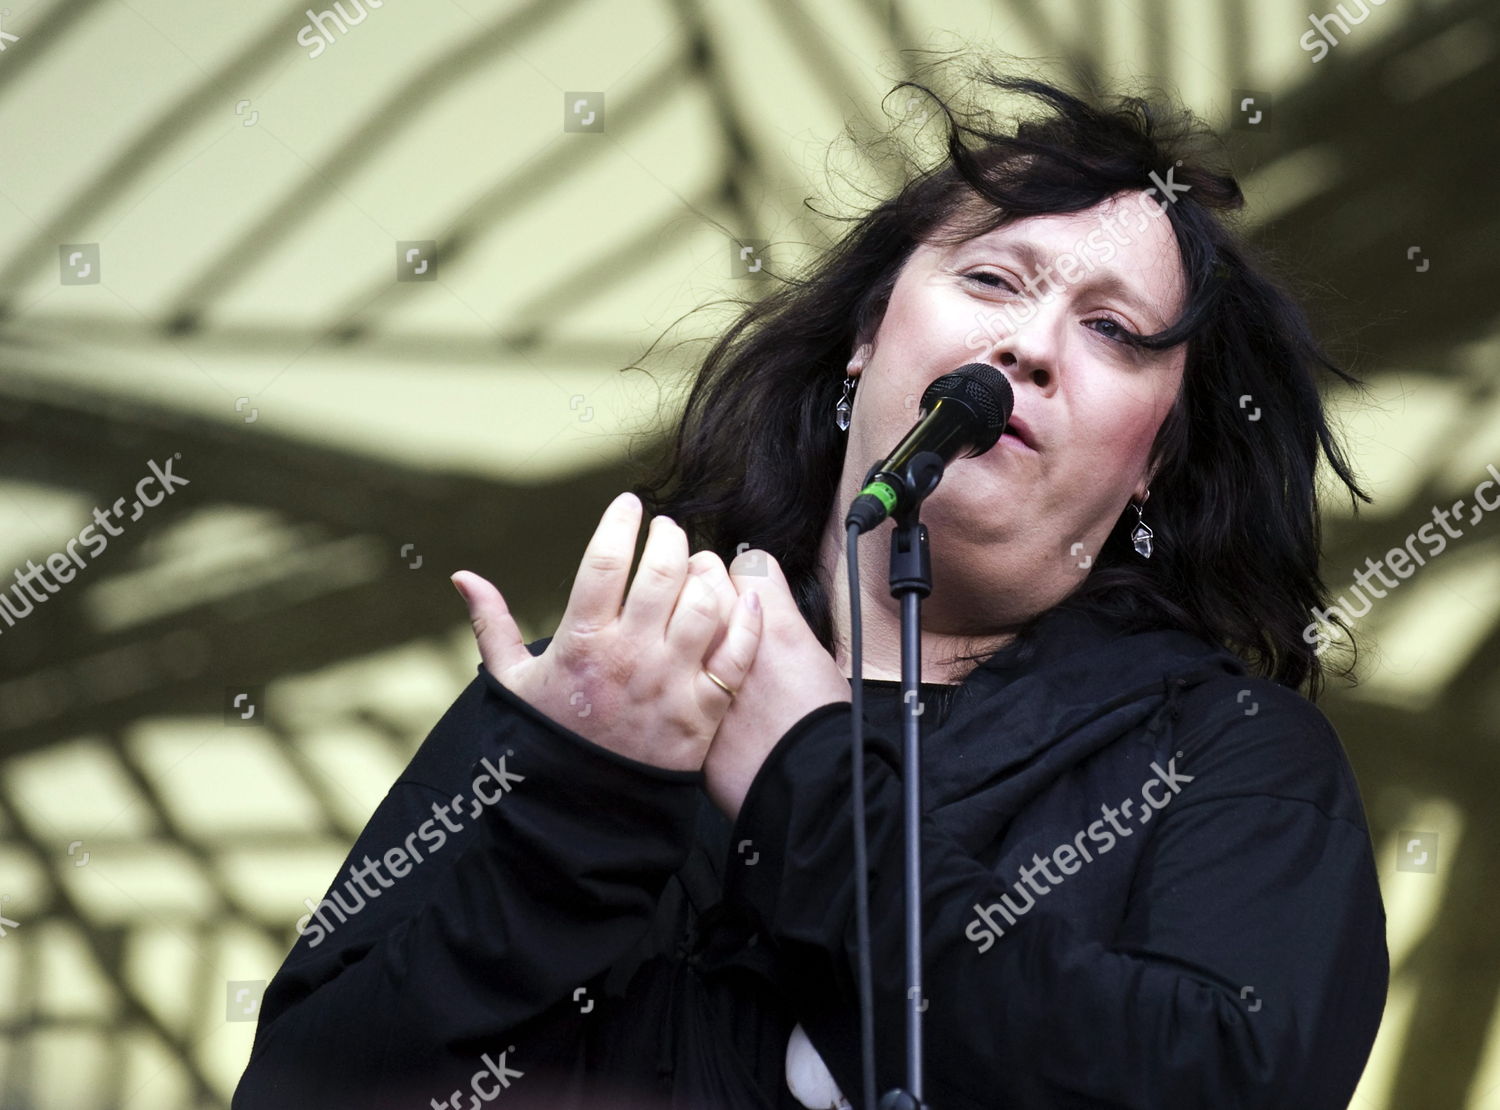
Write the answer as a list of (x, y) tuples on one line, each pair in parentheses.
[(377, 287)]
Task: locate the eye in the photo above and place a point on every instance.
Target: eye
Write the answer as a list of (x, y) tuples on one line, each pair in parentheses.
[(989, 280), (1117, 332)]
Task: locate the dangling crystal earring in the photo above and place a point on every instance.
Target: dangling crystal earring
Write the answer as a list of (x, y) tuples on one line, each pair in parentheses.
[(843, 412), (1141, 534)]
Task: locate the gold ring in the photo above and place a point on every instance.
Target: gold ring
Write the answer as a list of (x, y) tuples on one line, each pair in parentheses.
[(719, 682)]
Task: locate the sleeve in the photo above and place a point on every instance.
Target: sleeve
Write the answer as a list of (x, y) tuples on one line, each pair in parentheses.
[(513, 862), (1249, 971)]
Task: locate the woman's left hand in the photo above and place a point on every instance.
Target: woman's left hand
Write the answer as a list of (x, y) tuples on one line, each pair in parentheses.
[(792, 675)]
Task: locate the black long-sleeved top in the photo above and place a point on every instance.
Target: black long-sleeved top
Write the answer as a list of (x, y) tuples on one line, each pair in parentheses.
[(1148, 882)]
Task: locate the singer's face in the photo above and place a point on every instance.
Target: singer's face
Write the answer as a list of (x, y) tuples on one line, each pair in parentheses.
[(1041, 299)]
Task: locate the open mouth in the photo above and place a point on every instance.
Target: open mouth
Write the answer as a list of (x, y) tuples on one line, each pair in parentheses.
[(1018, 435)]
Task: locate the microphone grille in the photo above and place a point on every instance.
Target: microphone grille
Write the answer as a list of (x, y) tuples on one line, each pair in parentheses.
[(984, 390)]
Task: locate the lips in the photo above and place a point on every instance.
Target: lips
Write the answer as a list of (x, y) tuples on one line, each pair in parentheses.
[(1015, 426)]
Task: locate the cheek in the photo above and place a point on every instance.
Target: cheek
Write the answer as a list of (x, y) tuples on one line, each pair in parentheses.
[(1138, 430), (917, 327), (923, 314), (1124, 427)]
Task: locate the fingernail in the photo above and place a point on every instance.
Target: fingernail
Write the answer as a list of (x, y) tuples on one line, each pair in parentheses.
[(752, 601)]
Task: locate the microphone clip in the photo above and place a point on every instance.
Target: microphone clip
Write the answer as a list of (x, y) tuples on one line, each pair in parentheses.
[(884, 490)]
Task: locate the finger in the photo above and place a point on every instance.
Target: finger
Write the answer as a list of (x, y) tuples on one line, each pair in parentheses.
[(501, 645), (605, 569), (711, 571), (694, 624), (732, 658), (757, 570), (658, 581)]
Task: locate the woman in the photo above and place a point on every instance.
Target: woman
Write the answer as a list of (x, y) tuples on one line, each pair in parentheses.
[(1148, 880)]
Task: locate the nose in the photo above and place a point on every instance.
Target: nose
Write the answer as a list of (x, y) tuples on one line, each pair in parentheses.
[(1026, 356), (1020, 369), (1027, 352)]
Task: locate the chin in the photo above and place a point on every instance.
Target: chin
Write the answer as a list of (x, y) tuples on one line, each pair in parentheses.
[(971, 510)]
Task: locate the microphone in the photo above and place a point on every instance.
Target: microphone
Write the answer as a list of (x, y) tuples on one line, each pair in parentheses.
[(966, 409)]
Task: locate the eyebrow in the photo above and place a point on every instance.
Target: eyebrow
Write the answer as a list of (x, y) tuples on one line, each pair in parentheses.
[(1101, 278)]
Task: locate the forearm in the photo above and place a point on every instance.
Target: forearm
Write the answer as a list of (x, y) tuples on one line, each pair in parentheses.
[(545, 874)]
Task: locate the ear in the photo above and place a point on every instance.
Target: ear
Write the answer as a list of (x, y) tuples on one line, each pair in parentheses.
[(1142, 489), (860, 358)]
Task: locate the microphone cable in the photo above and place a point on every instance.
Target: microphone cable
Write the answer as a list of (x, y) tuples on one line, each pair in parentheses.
[(861, 847)]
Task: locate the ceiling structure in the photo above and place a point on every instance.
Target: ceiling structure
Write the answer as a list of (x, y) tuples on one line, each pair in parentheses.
[(207, 216)]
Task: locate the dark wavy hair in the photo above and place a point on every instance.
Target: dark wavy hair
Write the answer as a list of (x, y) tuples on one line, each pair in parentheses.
[(756, 457)]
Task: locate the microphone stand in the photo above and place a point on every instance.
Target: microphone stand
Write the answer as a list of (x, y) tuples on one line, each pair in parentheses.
[(911, 581), (978, 398)]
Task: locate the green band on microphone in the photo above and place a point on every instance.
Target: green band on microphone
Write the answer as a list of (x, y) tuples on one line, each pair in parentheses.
[(883, 493)]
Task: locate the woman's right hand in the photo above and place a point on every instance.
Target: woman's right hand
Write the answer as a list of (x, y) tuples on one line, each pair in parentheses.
[(631, 679)]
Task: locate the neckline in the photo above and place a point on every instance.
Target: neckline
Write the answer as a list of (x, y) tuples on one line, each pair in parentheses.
[(895, 684)]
